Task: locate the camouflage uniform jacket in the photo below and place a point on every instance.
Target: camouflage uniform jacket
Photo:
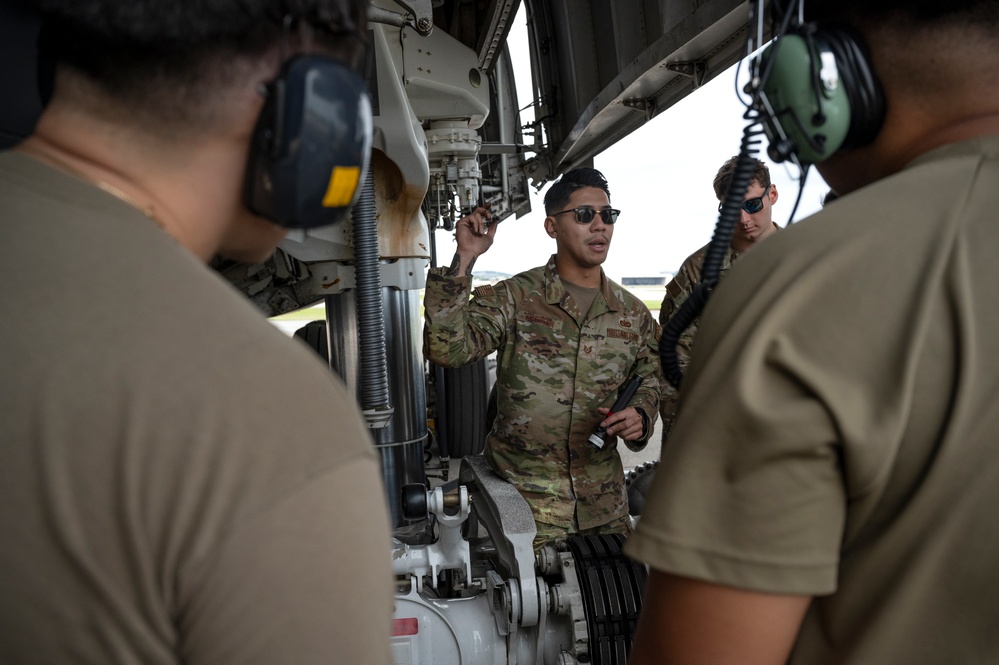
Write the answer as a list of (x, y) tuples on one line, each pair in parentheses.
[(677, 292), (555, 366)]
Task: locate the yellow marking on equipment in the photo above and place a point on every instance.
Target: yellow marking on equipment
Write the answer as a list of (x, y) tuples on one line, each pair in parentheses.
[(343, 184)]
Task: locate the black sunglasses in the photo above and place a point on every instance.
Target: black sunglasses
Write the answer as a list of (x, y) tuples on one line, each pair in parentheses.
[(585, 215), (753, 205)]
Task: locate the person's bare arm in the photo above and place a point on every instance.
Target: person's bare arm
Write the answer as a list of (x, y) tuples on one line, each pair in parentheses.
[(474, 235), (700, 623)]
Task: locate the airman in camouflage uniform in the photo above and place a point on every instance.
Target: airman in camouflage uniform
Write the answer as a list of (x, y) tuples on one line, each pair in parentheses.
[(560, 365), (753, 227)]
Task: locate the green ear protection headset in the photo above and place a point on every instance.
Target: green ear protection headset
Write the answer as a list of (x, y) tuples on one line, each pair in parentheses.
[(819, 94)]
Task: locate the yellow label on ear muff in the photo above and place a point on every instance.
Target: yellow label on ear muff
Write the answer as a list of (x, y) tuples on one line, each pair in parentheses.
[(343, 184)]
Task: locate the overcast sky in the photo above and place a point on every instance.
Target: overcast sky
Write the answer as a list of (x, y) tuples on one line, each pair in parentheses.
[(660, 178)]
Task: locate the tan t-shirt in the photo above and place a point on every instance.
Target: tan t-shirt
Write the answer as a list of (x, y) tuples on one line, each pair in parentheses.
[(839, 426), (179, 482), (583, 296)]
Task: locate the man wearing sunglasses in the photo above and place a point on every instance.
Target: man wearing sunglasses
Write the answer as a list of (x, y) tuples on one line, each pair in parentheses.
[(568, 339), (755, 224)]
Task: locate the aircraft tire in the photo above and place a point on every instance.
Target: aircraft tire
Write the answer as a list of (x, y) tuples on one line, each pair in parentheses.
[(314, 336), (637, 483), (611, 585), (462, 412)]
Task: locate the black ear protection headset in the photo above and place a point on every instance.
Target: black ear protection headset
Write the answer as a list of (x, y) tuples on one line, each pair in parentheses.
[(312, 144), (818, 93)]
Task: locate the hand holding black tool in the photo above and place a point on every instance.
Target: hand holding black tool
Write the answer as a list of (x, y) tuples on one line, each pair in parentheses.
[(597, 438)]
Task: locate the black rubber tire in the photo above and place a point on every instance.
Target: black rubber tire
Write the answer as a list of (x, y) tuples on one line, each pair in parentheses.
[(491, 408), (612, 587), (314, 336), (637, 482), (461, 409)]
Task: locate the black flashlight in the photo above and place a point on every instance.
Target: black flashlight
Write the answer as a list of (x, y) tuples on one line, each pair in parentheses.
[(597, 438)]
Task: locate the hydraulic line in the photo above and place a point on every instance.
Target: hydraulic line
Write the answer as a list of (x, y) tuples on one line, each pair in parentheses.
[(373, 386)]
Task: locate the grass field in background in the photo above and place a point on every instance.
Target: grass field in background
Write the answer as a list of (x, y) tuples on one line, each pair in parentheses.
[(312, 313)]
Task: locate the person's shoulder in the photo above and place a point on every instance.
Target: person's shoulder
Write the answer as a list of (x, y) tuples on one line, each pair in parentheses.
[(266, 393), (690, 269), (905, 211), (531, 274), (526, 282), (629, 300), (695, 259), (18, 166), (219, 339), (980, 147), (688, 275)]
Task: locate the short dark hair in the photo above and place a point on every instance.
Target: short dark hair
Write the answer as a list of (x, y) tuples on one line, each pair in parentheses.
[(152, 54), (557, 196), (761, 175)]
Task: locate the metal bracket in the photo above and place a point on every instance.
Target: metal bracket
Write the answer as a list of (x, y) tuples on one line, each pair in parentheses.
[(332, 277), (694, 70), (423, 15), (420, 18), (647, 106)]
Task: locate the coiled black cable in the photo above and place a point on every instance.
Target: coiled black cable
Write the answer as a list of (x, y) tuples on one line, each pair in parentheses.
[(728, 217)]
